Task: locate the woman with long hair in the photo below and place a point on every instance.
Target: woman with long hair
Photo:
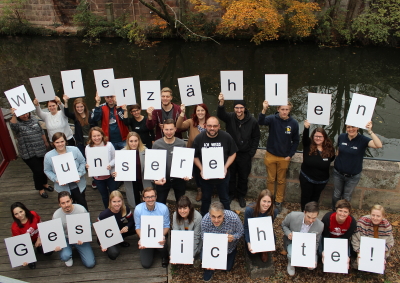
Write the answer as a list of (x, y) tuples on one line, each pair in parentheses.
[(134, 188), (138, 124), (318, 153), (124, 217), (186, 218), (32, 145), (374, 225), (263, 207), (55, 119), (105, 184), (76, 188), (196, 124), (25, 221), (83, 122)]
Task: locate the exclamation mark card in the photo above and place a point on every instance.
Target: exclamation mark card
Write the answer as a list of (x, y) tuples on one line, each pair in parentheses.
[(276, 89), (43, 88)]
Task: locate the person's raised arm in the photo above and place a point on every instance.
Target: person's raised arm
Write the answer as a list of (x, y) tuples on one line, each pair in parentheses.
[(221, 112), (375, 142), (306, 134), (262, 120), (97, 115)]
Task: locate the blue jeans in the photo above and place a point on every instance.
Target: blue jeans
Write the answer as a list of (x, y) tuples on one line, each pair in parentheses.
[(223, 193), (343, 186), (105, 187), (84, 250), (119, 145)]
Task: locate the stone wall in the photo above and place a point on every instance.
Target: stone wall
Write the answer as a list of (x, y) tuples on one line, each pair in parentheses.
[(379, 184)]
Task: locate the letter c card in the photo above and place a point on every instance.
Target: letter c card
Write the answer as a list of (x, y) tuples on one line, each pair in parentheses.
[(79, 229), (108, 232), (215, 251), (20, 249)]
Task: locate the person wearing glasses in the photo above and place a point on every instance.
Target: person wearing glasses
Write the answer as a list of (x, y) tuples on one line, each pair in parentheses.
[(152, 208), (244, 129), (349, 160), (138, 124), (318, 153), (214, 137)]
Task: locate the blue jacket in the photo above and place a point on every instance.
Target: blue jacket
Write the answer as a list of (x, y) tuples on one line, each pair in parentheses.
[(283, 138), (80, 165)]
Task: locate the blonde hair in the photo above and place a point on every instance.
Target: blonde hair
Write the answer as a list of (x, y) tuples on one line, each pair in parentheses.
[(167, 89), (118, 195), (288, 104), (141, 146), (379, 207)]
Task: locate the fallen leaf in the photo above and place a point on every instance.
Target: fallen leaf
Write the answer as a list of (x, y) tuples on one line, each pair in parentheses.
[(237, 212), (283, 252), (396, 223)]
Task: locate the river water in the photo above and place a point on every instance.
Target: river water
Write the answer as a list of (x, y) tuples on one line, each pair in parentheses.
[(372, 71)]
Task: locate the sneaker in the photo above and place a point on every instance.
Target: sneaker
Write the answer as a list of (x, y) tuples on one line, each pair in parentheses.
[(208, 274), (242, 202), (94, 185), (290, 269), (69, 262), (278, 205)]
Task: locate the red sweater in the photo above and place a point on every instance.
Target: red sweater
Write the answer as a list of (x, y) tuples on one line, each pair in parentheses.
[(28, 227)]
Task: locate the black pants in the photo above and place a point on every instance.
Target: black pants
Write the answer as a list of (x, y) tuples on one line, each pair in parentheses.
[(79, 197), (309, 191), (137, 189), (177, 184), (113, 251), (36, 166), (147, 255), (240, 171)]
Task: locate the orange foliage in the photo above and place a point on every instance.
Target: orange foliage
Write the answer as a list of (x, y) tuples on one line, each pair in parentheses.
[(261, 15), (158, 22), (301, 17)]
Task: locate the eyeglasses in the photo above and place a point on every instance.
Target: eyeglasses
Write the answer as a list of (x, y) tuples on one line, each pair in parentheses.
[(149, 197)]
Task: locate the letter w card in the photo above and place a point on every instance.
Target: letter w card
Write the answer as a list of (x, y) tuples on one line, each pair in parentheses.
[(182, 162), (65, 167), (190, 90), (182, 247), (261, 234), (52, 235), (215, 251), (151, 231), (19, 99), (319, 108), (20, 250), (79, 229), (335, 255), (303, 249)]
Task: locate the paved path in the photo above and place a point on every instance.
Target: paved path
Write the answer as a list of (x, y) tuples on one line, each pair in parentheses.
[(17, 185)]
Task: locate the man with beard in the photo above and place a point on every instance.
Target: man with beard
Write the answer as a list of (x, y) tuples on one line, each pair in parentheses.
[(168, 142), (213, 137), (169, 110), (244, 129)]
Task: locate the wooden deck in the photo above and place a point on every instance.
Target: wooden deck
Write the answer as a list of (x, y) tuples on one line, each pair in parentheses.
[(16, 184)]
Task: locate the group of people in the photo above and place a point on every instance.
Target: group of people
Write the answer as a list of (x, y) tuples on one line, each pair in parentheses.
[(162, 129)]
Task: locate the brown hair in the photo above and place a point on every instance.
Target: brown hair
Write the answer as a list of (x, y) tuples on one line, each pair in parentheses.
[(103, 139), (169, 122), (184, 201), (312, 206), (118, 195), (141, 146), (55, 102), (58, 135), (134, 106), (343, 203), (148, 189), (257, 206), (82, 121), (327, 146), (288, 104), (63, 194)]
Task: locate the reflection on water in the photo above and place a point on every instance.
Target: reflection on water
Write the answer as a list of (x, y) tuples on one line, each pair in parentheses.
[(339, 71)]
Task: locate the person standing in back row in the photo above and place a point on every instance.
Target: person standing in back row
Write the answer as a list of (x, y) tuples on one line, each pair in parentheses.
[(244, 129), (282, 143)]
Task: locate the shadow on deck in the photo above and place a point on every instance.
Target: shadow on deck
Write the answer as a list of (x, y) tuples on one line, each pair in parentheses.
[(17, 185)]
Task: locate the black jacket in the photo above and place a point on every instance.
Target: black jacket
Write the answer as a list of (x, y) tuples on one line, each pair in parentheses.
[(245, 133), (78, 128)]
